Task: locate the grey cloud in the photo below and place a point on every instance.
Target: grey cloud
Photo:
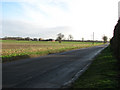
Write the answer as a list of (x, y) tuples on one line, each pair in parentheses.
[(23, 29)]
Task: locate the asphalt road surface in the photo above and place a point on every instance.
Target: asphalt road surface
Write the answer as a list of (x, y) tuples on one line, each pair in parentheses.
[(51, 71)]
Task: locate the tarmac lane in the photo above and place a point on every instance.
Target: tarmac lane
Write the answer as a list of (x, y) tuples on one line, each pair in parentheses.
[(51, 71)]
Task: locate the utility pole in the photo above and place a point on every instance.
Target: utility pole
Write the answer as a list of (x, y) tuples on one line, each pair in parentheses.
[(93, 38)]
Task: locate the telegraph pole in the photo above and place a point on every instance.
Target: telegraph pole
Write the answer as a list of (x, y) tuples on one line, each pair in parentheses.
[(93, 38)]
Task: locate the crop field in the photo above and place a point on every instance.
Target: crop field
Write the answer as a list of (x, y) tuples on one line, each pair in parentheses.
[(13, 50)]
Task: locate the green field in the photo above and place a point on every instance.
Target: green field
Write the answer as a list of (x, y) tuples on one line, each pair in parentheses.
[(103, 73), (13, 50)]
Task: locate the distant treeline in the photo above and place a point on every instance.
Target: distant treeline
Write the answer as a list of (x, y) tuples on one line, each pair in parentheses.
[(26, 39), (115, 41), (82, 41), (40, 39)]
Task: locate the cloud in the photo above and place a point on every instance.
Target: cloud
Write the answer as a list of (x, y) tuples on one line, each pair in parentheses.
[(77, 17), (24, 29), (49, 13)]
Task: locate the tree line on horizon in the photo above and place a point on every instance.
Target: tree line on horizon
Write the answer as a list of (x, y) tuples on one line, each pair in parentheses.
[(60, 38)]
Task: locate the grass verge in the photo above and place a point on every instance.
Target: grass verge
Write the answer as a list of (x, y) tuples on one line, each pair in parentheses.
[(102, 73)]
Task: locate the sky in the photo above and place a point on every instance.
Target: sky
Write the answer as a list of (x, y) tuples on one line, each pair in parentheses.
[(47, 18)]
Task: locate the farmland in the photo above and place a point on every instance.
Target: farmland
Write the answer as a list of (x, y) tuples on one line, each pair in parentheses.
[(13, 50)]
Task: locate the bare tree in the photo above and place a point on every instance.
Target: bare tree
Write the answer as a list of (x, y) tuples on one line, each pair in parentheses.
[(70, 37), (60, 36), (105, 39), (27, 38)]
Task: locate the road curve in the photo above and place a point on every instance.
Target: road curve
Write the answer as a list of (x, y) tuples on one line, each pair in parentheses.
[(51, 71)]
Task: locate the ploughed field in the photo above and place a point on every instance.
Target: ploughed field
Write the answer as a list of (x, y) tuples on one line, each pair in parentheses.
[(13, 50)]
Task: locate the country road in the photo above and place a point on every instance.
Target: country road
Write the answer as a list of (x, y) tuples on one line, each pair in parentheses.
[(51, 71)]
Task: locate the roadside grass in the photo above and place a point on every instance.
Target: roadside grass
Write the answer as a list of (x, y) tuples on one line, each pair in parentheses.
[(102, 73), (14, 50)]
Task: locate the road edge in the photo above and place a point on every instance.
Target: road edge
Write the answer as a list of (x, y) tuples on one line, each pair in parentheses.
[(79, 73)]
